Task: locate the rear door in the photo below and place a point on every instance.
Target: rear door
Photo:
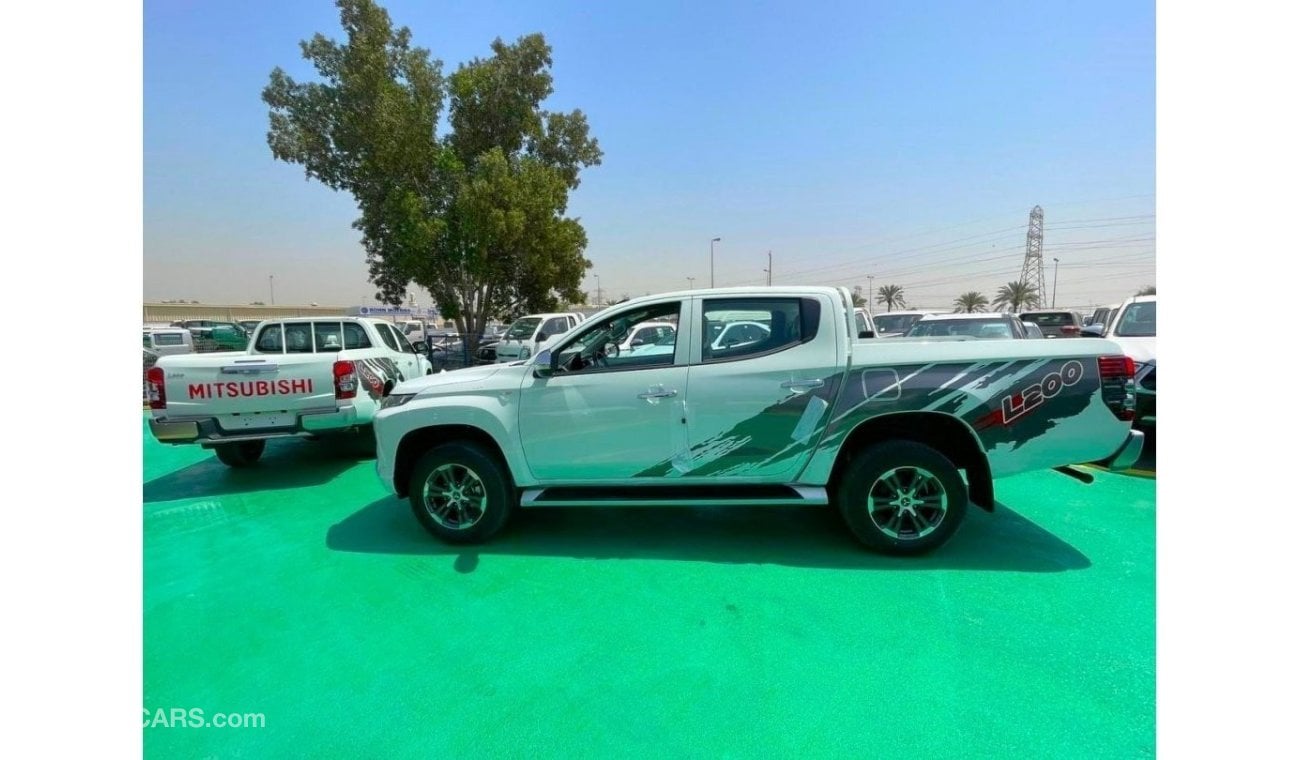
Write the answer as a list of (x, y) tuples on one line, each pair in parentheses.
[(755, 410), (400, 352)]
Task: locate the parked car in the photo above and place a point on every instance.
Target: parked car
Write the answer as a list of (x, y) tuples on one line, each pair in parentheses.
[(648, 333), (1101, 315), (893, 324), (865, 324), (227, 336), (249, 325), (526, 334), (1032, 330), (298, 377), (168, 340), (968, 326), (1054, 323), (1133, 327), (882, 430)]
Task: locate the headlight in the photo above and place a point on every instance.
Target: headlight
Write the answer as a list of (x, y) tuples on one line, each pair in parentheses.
[(395, 400), (524, 353)]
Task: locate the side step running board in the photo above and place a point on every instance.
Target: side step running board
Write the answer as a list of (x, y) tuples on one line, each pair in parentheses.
[(672, 496)]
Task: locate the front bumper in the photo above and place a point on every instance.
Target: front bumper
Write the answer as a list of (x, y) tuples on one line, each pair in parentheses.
[(208, 430), (1127, 454)]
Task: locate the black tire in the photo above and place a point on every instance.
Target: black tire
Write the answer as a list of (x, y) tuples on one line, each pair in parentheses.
[(493, 495), (242, 454), (924, 481)]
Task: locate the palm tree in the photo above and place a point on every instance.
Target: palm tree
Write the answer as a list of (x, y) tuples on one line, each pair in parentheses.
[(1149, 290), (891, 296), (971, 301), (1016, 295)]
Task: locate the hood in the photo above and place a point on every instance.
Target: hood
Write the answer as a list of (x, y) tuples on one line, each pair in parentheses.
[(446, 379), (1143, 350)]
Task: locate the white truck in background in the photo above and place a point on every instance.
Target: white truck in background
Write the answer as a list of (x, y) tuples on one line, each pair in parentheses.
[(298, 377), (526, 334)]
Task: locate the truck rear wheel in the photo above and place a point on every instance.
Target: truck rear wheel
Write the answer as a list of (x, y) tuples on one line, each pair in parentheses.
[(240, 454), (460, 493), (901, 498)]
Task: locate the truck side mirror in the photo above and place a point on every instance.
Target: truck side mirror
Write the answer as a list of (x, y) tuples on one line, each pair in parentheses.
[(866, 334), (541, 337), (1092, 331), (544, 365)]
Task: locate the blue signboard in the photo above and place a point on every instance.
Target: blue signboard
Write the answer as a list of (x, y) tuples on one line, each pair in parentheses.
[(393, 311)]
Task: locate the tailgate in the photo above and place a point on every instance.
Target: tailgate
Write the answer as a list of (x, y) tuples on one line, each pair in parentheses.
[(220, 385)]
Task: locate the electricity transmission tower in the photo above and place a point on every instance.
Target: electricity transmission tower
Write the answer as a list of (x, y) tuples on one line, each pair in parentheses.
[(1032, 272)]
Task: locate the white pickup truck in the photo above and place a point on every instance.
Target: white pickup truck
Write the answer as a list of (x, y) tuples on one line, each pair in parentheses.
[(527, 334), (898, 436), (298, 377)]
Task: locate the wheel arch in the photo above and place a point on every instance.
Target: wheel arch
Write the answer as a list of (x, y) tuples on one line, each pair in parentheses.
[(945, 433), (420, 440)]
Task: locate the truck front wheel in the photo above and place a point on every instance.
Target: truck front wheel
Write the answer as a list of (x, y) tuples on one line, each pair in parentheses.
[(901, 497), (240, 454), (460, 493)]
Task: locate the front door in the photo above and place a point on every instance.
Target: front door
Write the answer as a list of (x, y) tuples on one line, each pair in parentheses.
[(605, 414)]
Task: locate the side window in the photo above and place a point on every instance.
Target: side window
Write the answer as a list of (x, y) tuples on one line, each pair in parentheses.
[(861, 320), (596, 348), (386, 335), (736, 328), (297, 338), (329, 336), (270, 340), (354, 336), (555, 326)]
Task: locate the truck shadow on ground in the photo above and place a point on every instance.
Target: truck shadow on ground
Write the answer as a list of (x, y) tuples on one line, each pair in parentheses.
[(795, 536), (288, 463)]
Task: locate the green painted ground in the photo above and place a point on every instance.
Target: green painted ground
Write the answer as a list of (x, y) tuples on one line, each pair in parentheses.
[(299, 591)]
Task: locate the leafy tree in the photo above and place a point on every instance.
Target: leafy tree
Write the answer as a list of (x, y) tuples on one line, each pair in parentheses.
[(890, 296), (971, 301), (858, 300), (1016, 296), (475, 216), (1149, 290)]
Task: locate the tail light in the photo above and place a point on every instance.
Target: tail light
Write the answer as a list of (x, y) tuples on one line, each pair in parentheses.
[(153, 378), (1069, 330), (1117, 384), (345, 380)]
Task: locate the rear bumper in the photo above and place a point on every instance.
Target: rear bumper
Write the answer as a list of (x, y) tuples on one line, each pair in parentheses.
[(1128, 453), (208, 430)]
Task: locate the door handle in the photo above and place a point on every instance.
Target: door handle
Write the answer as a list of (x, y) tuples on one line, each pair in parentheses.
[(658, 392), (802, 385)]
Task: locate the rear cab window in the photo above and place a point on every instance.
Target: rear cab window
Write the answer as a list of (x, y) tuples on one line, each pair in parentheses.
[(1052, 319)]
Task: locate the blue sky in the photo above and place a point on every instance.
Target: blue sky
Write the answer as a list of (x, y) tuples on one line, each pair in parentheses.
[(901, 141)]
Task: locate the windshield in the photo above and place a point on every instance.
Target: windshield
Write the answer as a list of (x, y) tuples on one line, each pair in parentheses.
[(523, 328), (1138, 321), (895, 322), (994, 327)]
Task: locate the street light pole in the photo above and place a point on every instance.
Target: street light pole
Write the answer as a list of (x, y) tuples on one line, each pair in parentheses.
[(871, 290), (711, 242), (769, 269), (272, 280), (690, 283), (1055, 269), (597, 290)]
